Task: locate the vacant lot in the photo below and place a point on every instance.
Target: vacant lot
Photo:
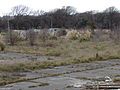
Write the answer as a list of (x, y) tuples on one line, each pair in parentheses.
[(57, 64)]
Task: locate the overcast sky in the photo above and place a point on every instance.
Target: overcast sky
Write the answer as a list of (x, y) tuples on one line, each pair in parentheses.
[(47, 5)]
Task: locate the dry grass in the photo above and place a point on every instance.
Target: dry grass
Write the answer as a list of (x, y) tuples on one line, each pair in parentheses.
[(116, 80), (72, 52), (33, 65), (69, 49), (9, 80)]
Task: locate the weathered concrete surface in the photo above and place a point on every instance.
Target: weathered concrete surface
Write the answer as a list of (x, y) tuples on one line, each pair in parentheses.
[(64, 77)]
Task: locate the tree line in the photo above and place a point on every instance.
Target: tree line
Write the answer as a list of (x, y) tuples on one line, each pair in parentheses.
[(22, 17)]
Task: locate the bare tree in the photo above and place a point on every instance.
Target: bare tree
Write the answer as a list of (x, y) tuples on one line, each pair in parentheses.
[(31, 37), (11, 37), (38, 13), (111, 13), (20, 10), (70, 10), (44, 35)]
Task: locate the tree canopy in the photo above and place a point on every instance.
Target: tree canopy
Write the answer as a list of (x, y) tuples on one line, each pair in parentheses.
[(65, 17)]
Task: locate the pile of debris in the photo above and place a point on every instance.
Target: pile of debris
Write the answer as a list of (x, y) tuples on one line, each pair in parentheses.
[(102, 83)]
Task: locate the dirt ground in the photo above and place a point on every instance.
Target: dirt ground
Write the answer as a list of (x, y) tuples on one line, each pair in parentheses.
[(62, 77)]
